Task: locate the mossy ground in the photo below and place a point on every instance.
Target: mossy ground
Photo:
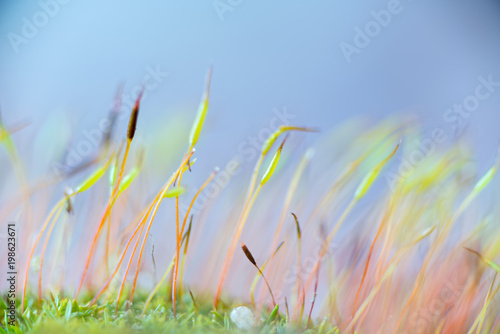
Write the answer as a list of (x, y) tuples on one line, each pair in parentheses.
[(69, 316)]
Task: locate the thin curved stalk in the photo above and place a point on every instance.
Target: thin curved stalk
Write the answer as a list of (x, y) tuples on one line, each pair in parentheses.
[(383, 223), (390, 269), (155, 204), (42, 256), (234, 244), (155, 290), (177, 252), (120, 261), (103, 220), (241, 224), (180, 232), (42, 231)]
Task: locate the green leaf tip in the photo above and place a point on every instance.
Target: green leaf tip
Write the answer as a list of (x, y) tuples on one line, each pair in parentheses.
[(94, 177), (490, 263), (202, 112), (483, 182), (274, 162), (373, 174), (282, 129), (274, 313), (174, 192)]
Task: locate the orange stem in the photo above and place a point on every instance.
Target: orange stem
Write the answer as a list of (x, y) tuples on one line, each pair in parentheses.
[(156, 204), (103, 220), (43, 255), (34, 247)]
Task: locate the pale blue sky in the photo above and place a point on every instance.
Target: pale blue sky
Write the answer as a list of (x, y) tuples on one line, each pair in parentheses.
[(266, 55)]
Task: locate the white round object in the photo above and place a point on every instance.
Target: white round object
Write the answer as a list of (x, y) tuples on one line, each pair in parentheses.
[(243, 317)]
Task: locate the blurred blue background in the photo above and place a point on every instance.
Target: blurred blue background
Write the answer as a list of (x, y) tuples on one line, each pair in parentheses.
[(273, 55), (61, 63)]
